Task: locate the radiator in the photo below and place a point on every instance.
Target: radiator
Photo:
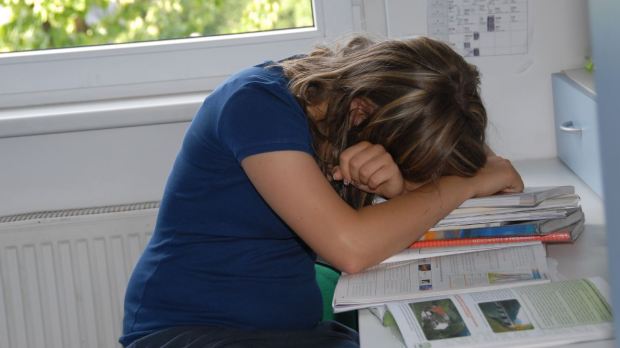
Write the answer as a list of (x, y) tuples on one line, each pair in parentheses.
[(63, 274)]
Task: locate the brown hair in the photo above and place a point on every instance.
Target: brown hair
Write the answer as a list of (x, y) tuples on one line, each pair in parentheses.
[(429, 114)]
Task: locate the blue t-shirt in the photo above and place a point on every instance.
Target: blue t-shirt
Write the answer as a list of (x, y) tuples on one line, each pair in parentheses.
[(219, 255)]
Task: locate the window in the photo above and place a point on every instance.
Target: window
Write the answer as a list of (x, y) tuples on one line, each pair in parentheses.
[(153, 68), (42, 24)]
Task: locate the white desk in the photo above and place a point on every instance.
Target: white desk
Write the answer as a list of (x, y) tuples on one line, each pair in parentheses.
[(587, 257)]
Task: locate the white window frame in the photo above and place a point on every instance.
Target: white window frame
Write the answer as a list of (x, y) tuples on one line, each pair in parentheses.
[(197, 65)]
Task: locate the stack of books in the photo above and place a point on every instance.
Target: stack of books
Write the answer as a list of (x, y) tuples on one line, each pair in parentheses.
[(430, 290), (546, 214)]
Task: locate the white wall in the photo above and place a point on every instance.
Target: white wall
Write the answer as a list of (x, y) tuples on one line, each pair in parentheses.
[(89, 168), (130, 164)]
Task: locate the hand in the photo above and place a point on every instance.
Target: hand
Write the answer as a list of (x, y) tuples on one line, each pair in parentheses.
[(498, 175), (370, 168)]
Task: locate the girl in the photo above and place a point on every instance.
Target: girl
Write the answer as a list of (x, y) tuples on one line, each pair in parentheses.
[(281, 164)]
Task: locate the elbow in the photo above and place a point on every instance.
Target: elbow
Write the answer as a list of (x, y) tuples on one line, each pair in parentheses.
[(351, 267), (348, 251), (351, 260)]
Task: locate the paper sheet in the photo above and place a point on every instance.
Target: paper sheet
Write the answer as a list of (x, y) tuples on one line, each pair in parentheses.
[(480, 27)]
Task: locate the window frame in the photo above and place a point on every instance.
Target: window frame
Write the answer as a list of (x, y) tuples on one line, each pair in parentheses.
[(136, 70)]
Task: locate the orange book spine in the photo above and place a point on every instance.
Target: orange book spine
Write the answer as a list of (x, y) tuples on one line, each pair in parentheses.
[(556, 237)]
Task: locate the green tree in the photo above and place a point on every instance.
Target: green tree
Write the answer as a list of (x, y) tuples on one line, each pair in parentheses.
[(41, 24)]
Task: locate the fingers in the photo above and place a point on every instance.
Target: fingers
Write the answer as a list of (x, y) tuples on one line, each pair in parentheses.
[(370, 168), (359, 162), (381, 176), (337, 173), (372, 175), (354, 157), (345, 159)]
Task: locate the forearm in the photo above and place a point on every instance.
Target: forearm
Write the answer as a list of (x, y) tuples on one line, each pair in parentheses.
[(388, 228), (353, 240)]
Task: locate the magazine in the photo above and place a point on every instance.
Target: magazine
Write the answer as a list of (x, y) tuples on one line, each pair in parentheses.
[(538, 315), (444, 275)]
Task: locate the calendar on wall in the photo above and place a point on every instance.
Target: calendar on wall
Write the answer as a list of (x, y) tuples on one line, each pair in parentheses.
[(480, 27)]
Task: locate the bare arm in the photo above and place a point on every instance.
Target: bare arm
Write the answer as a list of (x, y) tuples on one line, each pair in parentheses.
[(491, 156), (293, 185)]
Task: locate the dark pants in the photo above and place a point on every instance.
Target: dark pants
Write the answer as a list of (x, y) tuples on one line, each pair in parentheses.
[(328, 334)]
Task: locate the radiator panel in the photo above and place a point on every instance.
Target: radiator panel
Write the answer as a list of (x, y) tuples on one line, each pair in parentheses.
[(63, 274)]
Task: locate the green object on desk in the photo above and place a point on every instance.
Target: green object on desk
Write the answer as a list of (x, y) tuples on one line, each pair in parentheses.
[(589, 65), (326, 278)]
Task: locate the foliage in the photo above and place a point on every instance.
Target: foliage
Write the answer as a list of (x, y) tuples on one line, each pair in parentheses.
[(40, 24)]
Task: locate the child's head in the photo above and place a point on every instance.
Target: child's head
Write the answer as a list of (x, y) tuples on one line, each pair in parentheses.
[(417, 97)]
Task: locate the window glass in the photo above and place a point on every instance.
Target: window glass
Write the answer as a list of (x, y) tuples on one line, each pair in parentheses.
[(41, 24)]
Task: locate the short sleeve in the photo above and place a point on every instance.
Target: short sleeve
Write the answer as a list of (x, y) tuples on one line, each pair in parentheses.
[(263, 117)]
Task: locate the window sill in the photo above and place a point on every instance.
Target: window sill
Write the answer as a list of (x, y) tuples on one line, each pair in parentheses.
[(120, 113)]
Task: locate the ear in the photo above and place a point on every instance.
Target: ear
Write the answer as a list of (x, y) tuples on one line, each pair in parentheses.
[(360, 109)]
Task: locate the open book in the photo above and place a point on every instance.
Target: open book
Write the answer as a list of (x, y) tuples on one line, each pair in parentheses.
[(538, 315), (444, 275)]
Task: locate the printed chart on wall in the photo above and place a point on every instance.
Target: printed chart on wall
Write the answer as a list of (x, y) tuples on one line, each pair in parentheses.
[(480, 27)]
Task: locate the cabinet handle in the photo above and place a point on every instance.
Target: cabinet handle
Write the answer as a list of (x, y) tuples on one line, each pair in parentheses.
[(569, 127)]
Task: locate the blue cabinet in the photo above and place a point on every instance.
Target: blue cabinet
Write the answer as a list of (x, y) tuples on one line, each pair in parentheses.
[(576, 125)]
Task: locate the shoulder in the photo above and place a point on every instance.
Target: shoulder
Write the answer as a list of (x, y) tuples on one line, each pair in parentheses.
[(256, 94), (260, 83), (257, 113)]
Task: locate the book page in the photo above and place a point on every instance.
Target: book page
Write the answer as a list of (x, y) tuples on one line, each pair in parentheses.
[(537, 315), (441, 275)]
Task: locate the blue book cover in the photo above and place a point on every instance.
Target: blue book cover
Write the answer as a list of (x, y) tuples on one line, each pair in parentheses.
[(526, 229)]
